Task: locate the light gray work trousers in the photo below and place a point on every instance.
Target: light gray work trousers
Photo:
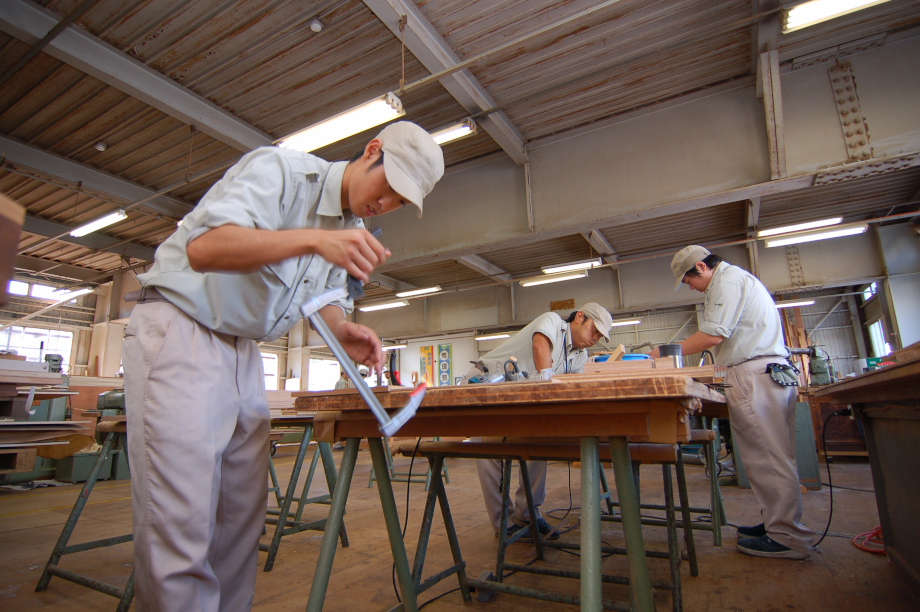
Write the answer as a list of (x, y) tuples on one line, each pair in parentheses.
[(490, 477), (762, 415), (198, 438)]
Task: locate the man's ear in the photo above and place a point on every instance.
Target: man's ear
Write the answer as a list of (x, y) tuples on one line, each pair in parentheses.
[(579, 317), (701, 267), (372, 149)]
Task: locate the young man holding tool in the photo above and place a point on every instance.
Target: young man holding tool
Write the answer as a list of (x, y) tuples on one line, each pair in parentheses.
[(548, 345), (743, 329), (279, 229)]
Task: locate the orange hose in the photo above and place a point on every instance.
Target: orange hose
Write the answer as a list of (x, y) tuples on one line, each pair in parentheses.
[(871, 541)]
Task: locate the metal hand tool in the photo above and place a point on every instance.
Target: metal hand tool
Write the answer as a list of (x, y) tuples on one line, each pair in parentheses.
[(355, 289)]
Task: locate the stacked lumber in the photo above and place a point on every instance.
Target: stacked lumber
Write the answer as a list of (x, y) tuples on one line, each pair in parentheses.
[(907, 353), (280, 403), (708, 374), (20, 441)]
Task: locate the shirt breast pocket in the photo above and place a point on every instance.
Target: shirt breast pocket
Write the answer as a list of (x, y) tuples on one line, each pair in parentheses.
[(285, 271)]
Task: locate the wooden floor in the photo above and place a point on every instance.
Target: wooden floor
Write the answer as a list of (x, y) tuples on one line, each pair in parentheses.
[(838, 576)]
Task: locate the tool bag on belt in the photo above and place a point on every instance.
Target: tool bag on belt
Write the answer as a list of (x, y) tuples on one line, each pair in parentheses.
[(783, 374)]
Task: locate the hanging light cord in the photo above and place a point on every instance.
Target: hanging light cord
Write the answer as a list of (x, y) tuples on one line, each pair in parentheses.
[(402, 31)]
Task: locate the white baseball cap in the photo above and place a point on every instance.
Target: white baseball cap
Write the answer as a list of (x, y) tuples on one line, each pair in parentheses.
[(685, 260), (602, 319), (413, 162)]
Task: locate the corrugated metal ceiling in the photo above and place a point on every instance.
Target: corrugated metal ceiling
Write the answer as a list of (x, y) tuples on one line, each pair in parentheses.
[(260, 61)]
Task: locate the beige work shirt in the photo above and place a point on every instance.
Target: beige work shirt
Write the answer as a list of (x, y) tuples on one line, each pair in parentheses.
[(566, 359), (268, 189), (740, 309)]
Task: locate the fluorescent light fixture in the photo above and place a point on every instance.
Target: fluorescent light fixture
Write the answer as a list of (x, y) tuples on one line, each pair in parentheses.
[(578, 265), (393, 347), (792, 303), (453, 132), (552, 278), (92, 226), (800, 227), (414, 292), (347, 123), (383, 305), (812, 236), (629, 322), (492, 337), (819, 11)]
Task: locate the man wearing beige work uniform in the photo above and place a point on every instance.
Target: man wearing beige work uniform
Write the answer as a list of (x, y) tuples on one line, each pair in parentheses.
[(548, 345), (280, 227), (742, 327)]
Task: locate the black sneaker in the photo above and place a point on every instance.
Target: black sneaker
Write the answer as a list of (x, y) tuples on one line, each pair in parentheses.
[(544, 528), (765, 547), (752, 532)]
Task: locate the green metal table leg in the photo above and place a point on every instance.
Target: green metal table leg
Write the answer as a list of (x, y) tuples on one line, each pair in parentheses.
[(640, 588), (605, 488), (307, 485), (591, 596), (425, 531), (391, 517), (503, 521), (58, 551), (531, 509), (274, 478), (685, 515), (325, 452), (288, 498), (452, 536), (714, 495), (333, 525), (673, 544)]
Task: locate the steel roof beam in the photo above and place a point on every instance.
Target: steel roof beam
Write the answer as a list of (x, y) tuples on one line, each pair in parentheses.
[(44, 162), (485, 267), (30, 23), (596, 239), (390, 283), (37, 265), (96, 241), (426, 44)]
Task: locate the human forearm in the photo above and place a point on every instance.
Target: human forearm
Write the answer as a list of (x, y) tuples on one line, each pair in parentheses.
[(231, 248), (542, 352)]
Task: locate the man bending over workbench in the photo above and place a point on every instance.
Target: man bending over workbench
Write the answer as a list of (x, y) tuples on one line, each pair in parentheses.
[(548, 345), (280, 227)]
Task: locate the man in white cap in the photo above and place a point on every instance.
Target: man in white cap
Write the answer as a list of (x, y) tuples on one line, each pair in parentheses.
[(548, 345), (280, 227), (743, 329)]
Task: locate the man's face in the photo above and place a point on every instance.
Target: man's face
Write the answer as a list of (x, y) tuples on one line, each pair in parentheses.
[(699, 283), (369, 193), (584, 333)]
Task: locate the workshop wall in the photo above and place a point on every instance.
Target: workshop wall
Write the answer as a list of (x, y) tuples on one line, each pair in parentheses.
[(901, 245)]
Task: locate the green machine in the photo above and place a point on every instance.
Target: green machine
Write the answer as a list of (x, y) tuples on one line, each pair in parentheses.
[(76, 468)]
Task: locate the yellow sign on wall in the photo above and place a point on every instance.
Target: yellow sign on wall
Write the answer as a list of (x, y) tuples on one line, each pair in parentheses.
[(426, 365)]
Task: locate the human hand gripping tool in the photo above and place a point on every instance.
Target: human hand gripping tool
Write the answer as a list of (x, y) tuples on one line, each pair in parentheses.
[(354, 288)]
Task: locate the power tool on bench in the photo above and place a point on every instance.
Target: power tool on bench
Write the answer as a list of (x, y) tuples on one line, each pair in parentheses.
[(819, 367)]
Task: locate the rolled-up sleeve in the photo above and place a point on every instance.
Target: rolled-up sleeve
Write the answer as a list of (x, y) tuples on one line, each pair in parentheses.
[(723, 308), (250, 195)]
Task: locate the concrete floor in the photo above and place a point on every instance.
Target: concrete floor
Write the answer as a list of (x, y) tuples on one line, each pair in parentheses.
[(838, 576)]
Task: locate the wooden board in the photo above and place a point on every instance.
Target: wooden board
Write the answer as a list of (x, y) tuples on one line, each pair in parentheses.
[(17, 377), (896, 382)]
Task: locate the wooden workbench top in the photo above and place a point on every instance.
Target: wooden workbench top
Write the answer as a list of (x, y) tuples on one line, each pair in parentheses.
[(898, 381)]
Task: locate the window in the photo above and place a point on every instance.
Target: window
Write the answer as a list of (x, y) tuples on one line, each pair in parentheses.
[(270, 365), (869, 292), (35, 343), (324, 373), (880, 348), (45, 292), (18, 288)]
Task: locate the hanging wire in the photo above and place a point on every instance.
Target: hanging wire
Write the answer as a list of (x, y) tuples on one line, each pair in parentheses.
[(402, 32), (191, 145)]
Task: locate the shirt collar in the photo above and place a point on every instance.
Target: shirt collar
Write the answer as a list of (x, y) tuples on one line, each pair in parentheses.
[(330, 201), (716, 274)]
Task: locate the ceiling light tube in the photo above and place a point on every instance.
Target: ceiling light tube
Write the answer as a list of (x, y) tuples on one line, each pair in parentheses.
[(578, 265), (92, 226), (812, 236), (455, 131), (552, 278), (66, 297), (819, 11), (629, 322), (492, 337), (414, 292), (799, 227), (347, 123), (393, 347), (383, 305), (792, 303)]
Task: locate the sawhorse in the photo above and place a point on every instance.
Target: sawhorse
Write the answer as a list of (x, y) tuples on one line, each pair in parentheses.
[(406, 476), (115, 429), (286, 522)]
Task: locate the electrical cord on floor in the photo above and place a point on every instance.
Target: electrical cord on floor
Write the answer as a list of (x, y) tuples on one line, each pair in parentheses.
[(830, 514), (849, 488), (872, 542), (406, 521)]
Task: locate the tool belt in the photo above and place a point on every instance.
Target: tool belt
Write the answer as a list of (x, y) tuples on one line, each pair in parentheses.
[(145, 294), (783, 374)]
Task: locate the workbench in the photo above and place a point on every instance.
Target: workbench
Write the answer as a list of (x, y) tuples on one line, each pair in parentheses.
[(638, 409), (887, 403)]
